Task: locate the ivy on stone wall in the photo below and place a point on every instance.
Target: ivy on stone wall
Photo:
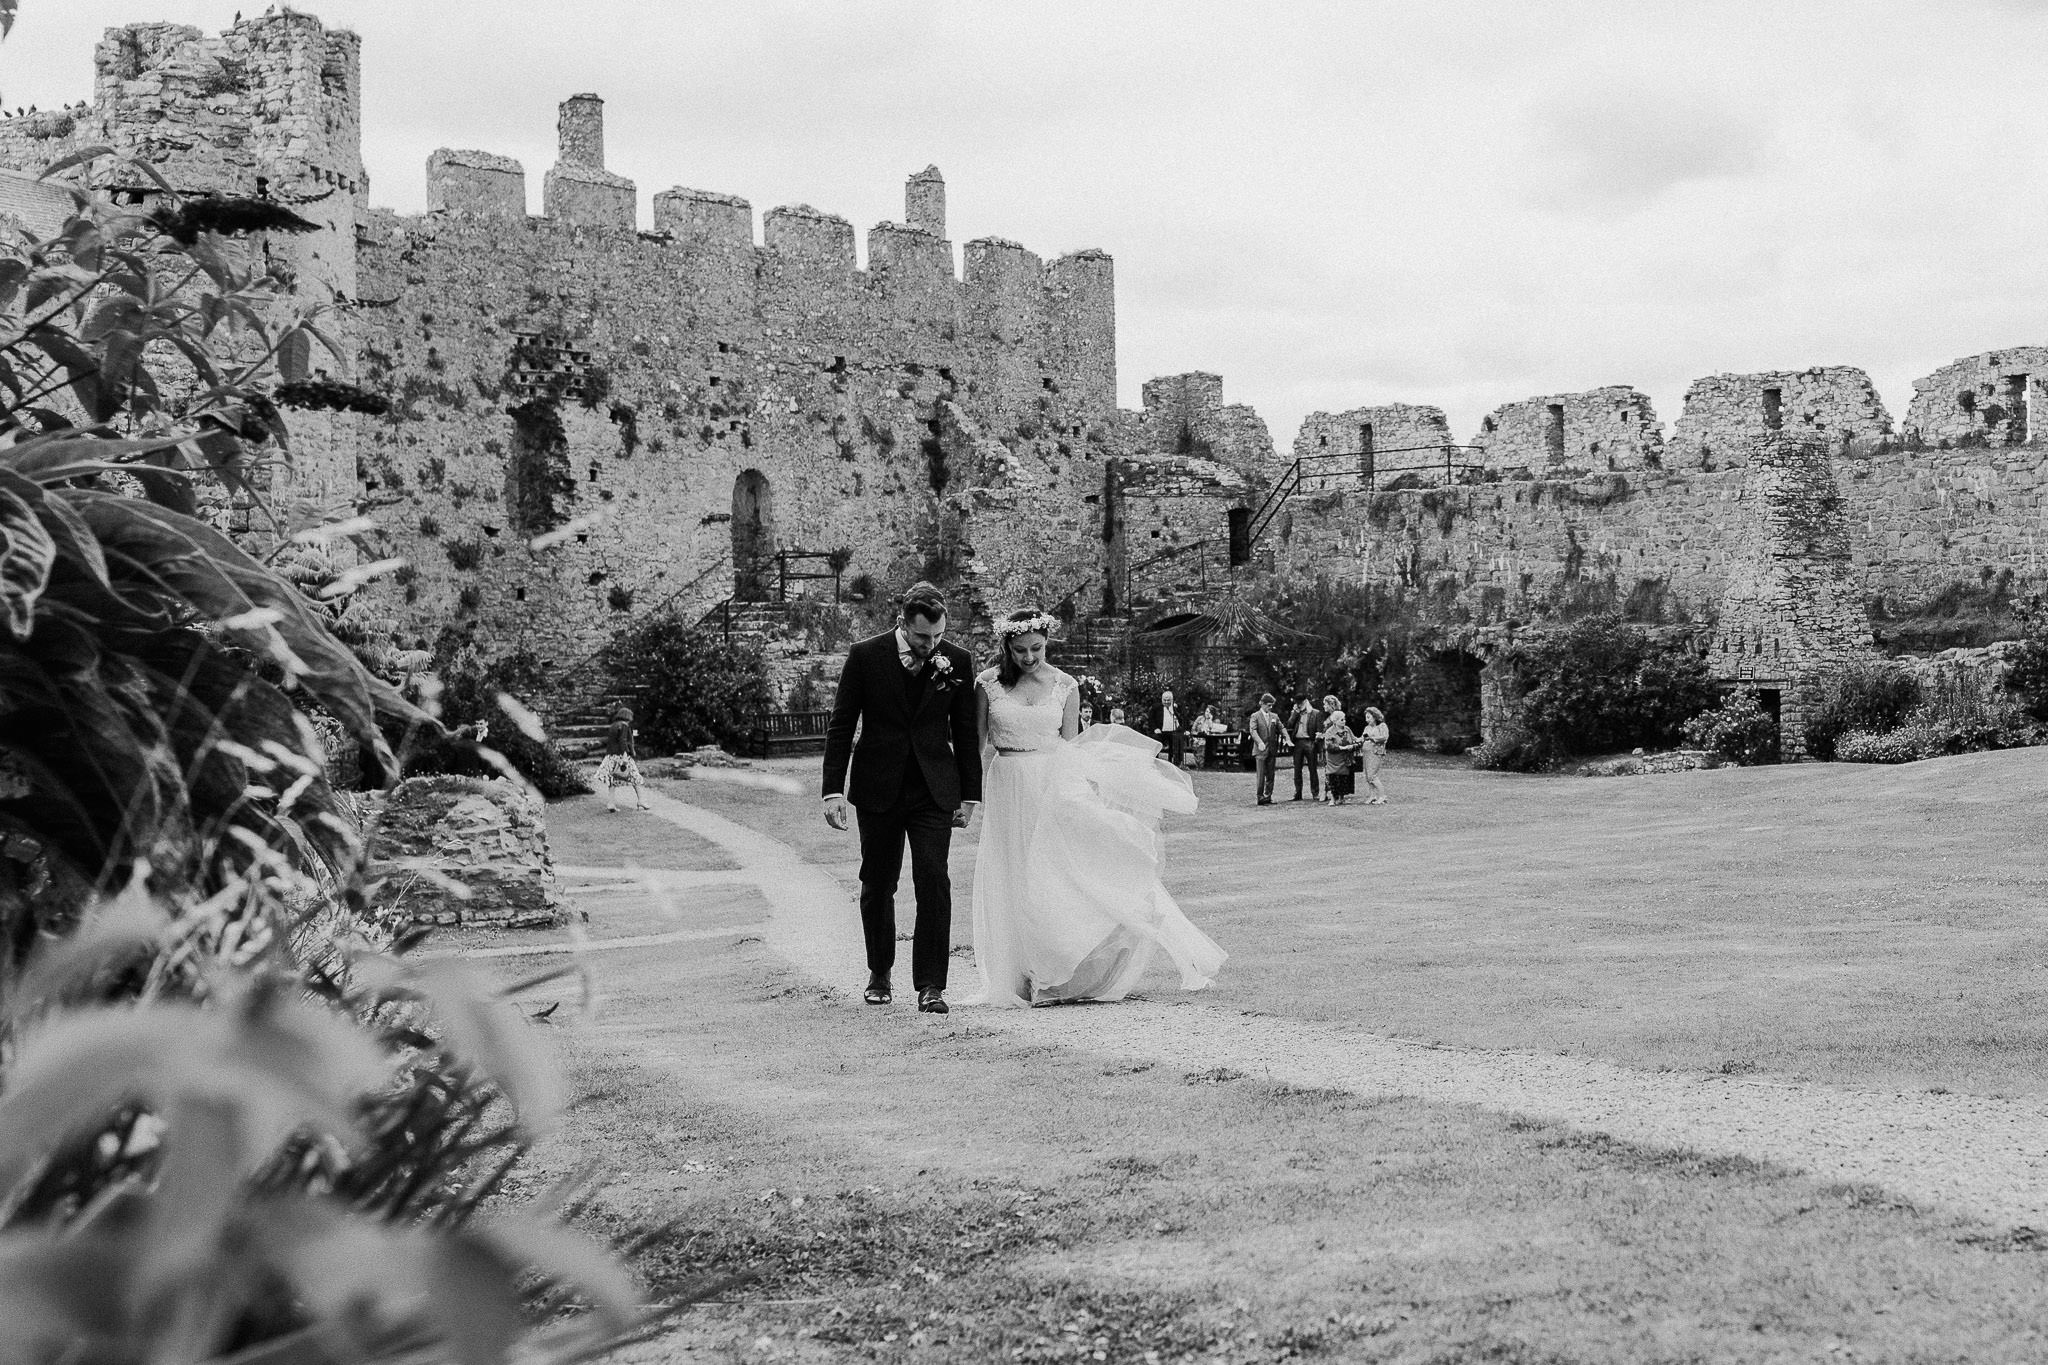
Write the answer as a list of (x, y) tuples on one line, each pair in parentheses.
[(538, 483)]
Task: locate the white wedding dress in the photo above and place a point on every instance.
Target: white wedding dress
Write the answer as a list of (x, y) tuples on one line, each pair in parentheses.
[(1068, 903)]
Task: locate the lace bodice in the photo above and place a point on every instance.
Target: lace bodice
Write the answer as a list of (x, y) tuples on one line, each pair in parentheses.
[(1014, 723)]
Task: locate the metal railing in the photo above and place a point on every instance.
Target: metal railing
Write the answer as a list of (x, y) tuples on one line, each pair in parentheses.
[(719, 565), (1365, 464)]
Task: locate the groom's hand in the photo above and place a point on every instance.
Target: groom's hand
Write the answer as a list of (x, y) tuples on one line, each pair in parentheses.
[(835, 811), (962, 816)]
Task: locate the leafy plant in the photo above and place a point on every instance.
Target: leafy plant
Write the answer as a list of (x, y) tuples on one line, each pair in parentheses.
[(2026, 670), (218, 1227), (1904, 744), (695, 688), (1739, 729), (153, 671), (1599, 684), (471, 692), (1873, 697), (207, 1147)]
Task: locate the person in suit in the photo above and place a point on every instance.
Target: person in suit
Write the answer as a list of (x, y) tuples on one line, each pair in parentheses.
[(916, 776), (1269, 734), (1305, 724), (1168, 729)]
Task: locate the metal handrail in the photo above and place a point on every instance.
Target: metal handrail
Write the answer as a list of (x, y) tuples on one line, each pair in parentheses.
[(724, 561), (784, 576), (1289, 483)]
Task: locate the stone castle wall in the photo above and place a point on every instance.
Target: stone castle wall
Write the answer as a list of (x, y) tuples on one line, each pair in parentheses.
[(1338, 448), (590, 420), (1726, 415), (1912, 521), (884, 411), (1608, 428), (1991, 399)]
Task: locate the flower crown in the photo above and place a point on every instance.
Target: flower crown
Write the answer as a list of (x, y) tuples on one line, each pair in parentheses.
[(1040, 624)]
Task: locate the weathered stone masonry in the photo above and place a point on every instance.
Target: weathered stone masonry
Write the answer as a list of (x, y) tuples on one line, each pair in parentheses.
[(670, 407)]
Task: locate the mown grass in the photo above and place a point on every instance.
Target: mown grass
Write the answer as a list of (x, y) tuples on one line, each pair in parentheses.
[(1860, 926), (904, 1188)]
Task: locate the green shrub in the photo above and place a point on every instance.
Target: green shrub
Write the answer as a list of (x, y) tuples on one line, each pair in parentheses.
[(2026, 674), (1905, 744), (695, 687), (1597, 685), (470, 689), (1873, 697), (1739, 729), (1971, 711), (1510, 750)]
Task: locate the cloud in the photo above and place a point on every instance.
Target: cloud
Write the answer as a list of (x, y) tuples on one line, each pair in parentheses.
[(1622, 149)]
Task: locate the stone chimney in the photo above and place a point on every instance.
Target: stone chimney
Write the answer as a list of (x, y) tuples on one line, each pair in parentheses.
[(580, 129), (924, 202)]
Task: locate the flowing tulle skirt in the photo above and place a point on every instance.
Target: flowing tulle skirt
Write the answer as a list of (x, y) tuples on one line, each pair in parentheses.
[(1068, 903)]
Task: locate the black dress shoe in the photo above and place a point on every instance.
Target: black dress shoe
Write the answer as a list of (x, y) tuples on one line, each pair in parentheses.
[(877, 992), (931, 1002)]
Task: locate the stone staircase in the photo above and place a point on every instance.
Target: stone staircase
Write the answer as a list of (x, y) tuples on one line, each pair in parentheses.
[(578, 731), (1085, 648)]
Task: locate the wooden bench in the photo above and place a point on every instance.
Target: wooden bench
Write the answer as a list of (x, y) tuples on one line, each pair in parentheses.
[(775, 733)]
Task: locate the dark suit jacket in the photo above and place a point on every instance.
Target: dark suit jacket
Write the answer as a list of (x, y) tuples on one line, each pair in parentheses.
[(1316, 719), (932, 725)]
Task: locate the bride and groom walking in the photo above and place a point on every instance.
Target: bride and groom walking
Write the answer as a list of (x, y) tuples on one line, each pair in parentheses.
[(1068, 904)]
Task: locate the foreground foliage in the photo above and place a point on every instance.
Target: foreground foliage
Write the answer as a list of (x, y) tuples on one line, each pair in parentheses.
[(230, 1124), (224, 1220)]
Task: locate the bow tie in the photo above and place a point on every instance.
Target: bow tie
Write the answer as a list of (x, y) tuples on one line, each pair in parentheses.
[(910, 661)]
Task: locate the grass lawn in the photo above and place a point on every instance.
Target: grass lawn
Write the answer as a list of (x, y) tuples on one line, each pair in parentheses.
[(1862, 926), (913, 1188), (904, 1188)]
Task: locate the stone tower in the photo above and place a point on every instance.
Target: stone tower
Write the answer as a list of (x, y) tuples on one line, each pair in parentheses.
[(1791, 611), (578, 190), (924, 202), (271, 108)]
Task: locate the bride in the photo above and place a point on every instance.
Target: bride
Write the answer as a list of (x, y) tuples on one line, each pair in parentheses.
[(1067, 899)]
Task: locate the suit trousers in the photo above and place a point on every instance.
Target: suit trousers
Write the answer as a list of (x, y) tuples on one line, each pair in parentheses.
[(1266, 762), (1307, 754), (917, 820)]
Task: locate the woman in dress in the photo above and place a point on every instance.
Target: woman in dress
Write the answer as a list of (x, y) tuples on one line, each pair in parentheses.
[(1068, 903), (1373, 753)]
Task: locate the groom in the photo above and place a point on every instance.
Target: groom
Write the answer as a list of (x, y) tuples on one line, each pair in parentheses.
[(916, 775)]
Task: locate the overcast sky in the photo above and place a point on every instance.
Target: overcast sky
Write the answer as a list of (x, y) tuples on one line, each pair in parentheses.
[(1330, 204)]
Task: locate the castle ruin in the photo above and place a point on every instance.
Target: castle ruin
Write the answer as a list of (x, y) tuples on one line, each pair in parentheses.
[(691, 413)]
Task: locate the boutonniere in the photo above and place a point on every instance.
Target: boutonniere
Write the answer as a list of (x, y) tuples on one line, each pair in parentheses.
[(941, 665)]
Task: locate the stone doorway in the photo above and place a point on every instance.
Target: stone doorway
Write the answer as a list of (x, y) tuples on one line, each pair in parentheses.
[(753, 537)]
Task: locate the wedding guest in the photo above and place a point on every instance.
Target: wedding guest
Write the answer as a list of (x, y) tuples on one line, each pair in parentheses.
[(1166, 728), (1116, 715), (1209, 723), (1373, 753), (1087, 716), (1305, 724), (1268, 733), (618, 765), (1340, 753)]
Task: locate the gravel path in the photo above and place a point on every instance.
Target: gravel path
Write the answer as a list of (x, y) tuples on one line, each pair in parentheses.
[(1983, 1157)]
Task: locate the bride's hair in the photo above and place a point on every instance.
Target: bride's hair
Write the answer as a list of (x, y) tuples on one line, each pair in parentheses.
[(1008, 629)]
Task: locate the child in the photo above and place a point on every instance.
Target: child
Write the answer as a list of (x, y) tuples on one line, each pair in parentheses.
[(618, 765)]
